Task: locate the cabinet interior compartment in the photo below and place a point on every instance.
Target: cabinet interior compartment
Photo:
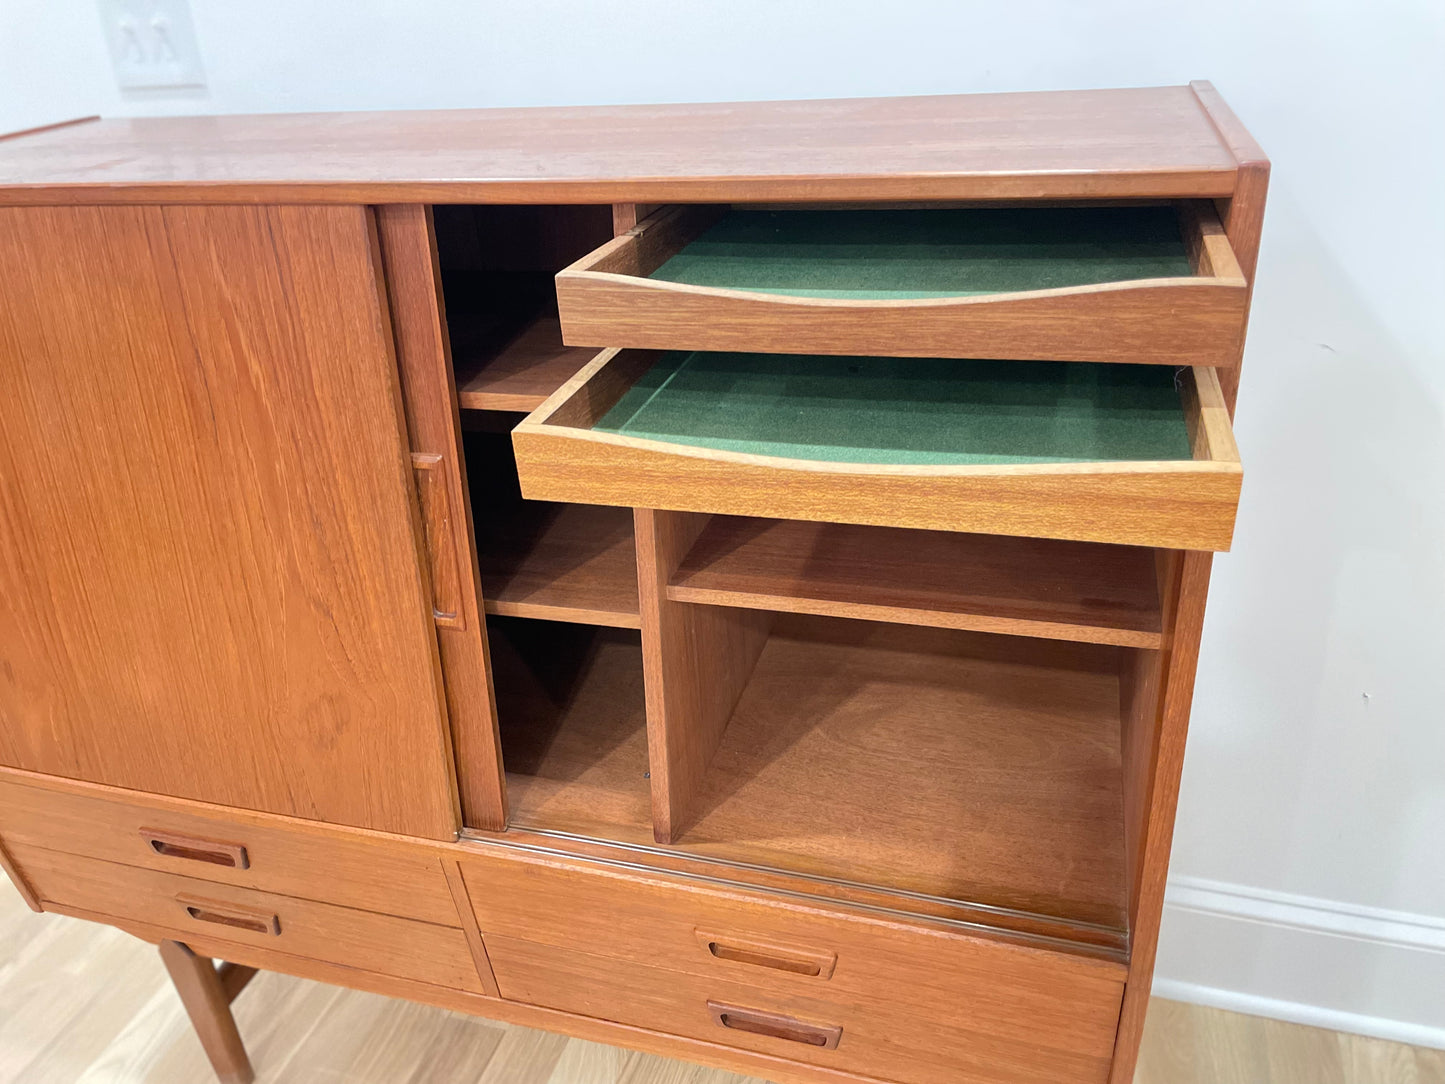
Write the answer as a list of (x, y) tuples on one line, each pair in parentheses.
[(542, 559), (497, 265), (573, 727), (938, 763)]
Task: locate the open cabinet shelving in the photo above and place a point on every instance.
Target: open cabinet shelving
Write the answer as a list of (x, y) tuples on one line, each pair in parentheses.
[(860, 705)]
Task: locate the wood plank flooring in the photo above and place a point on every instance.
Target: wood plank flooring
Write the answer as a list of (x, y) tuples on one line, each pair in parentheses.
[(86, 1004)]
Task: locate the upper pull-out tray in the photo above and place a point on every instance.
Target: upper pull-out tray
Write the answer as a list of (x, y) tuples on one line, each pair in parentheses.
[(1138, 455), (1150, 284)]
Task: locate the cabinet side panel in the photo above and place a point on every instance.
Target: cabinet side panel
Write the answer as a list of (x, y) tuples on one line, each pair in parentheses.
[(1242, 212), (1186, 592), (208, 543)]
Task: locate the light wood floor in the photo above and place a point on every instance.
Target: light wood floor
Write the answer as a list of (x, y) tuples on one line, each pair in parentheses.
[(86, 1003)]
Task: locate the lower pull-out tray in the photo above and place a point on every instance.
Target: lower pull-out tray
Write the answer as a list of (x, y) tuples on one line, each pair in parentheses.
[(1138, 455)]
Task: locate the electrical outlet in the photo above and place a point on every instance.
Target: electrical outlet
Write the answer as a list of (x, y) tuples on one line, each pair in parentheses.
[(152, 44)]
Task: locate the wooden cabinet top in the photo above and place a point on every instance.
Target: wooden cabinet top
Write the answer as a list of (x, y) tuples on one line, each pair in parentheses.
[(1156, 142)]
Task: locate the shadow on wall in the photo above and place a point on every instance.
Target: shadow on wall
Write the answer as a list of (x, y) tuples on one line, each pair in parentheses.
[(1316, 750)]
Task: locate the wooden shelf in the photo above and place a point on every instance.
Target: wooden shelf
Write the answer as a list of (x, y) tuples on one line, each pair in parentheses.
[(1021, 586), (561, 562), (951, 764), (521, 372), (573, 728)]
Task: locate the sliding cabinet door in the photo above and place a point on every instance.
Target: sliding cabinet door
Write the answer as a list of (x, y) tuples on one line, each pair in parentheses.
[(209, 539)]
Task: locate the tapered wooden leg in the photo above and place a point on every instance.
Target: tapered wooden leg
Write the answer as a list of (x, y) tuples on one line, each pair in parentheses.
[(206, 992)]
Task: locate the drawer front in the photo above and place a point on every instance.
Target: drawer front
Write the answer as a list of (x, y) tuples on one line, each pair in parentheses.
[(1186, 500), (293, 858), (876, 1037), (609, 298), (381, 944), (995, 991)]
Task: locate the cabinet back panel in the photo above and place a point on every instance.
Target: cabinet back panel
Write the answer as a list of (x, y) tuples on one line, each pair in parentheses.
[(208, 546)]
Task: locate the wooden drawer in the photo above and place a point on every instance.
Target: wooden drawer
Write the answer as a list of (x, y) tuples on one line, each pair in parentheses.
[(1003, 991), (294, 858), (1137, 455), (382, 944), (1156, 285), (872, 1035)]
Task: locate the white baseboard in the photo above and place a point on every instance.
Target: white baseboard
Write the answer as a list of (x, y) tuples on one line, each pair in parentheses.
[(1306, 960), (1397, 1031)]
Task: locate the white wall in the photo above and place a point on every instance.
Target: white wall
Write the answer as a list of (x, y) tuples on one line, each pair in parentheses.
[(1308, 870)]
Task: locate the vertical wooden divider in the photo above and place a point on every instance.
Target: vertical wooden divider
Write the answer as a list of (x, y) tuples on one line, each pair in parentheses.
[(696, 660), (423, 352), (627, 215)]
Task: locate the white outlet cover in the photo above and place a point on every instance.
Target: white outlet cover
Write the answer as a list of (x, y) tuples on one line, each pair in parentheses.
[(152, 44)]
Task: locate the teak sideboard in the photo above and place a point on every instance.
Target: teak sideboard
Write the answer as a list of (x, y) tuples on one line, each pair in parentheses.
[(724, 580)]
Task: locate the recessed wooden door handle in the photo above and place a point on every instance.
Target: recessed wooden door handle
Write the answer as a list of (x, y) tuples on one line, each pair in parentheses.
[(813, 963), (228, 914), (776, 1025), (194, 849), (433, 493)]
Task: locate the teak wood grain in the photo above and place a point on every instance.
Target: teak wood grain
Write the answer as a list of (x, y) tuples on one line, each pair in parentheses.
[(874, 1036), (48, 127), (1005, 926), (696, 661), (291, 858), (413, 282), (1180, 504), (1243, 211), (853, 749), (561, 562), (606, 300), (1153, 141), (468, 916), (12, 871), (1018, 586), (1187, 590), (186, 907), (208, 1005), (649, 1040), (656, 917), (574, 730), (208, 526), (523, 373), (856, 747)]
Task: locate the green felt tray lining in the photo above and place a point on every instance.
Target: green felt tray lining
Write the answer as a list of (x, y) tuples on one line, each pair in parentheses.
[(897, 255), (906, 410)]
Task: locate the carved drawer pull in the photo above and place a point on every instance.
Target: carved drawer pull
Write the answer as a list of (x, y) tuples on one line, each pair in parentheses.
[(192, 849), (814, 963), (228, 914), (776, 1025)]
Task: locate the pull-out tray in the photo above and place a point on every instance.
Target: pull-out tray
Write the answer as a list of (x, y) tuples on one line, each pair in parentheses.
[(1137, 455), (1150, 284)]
